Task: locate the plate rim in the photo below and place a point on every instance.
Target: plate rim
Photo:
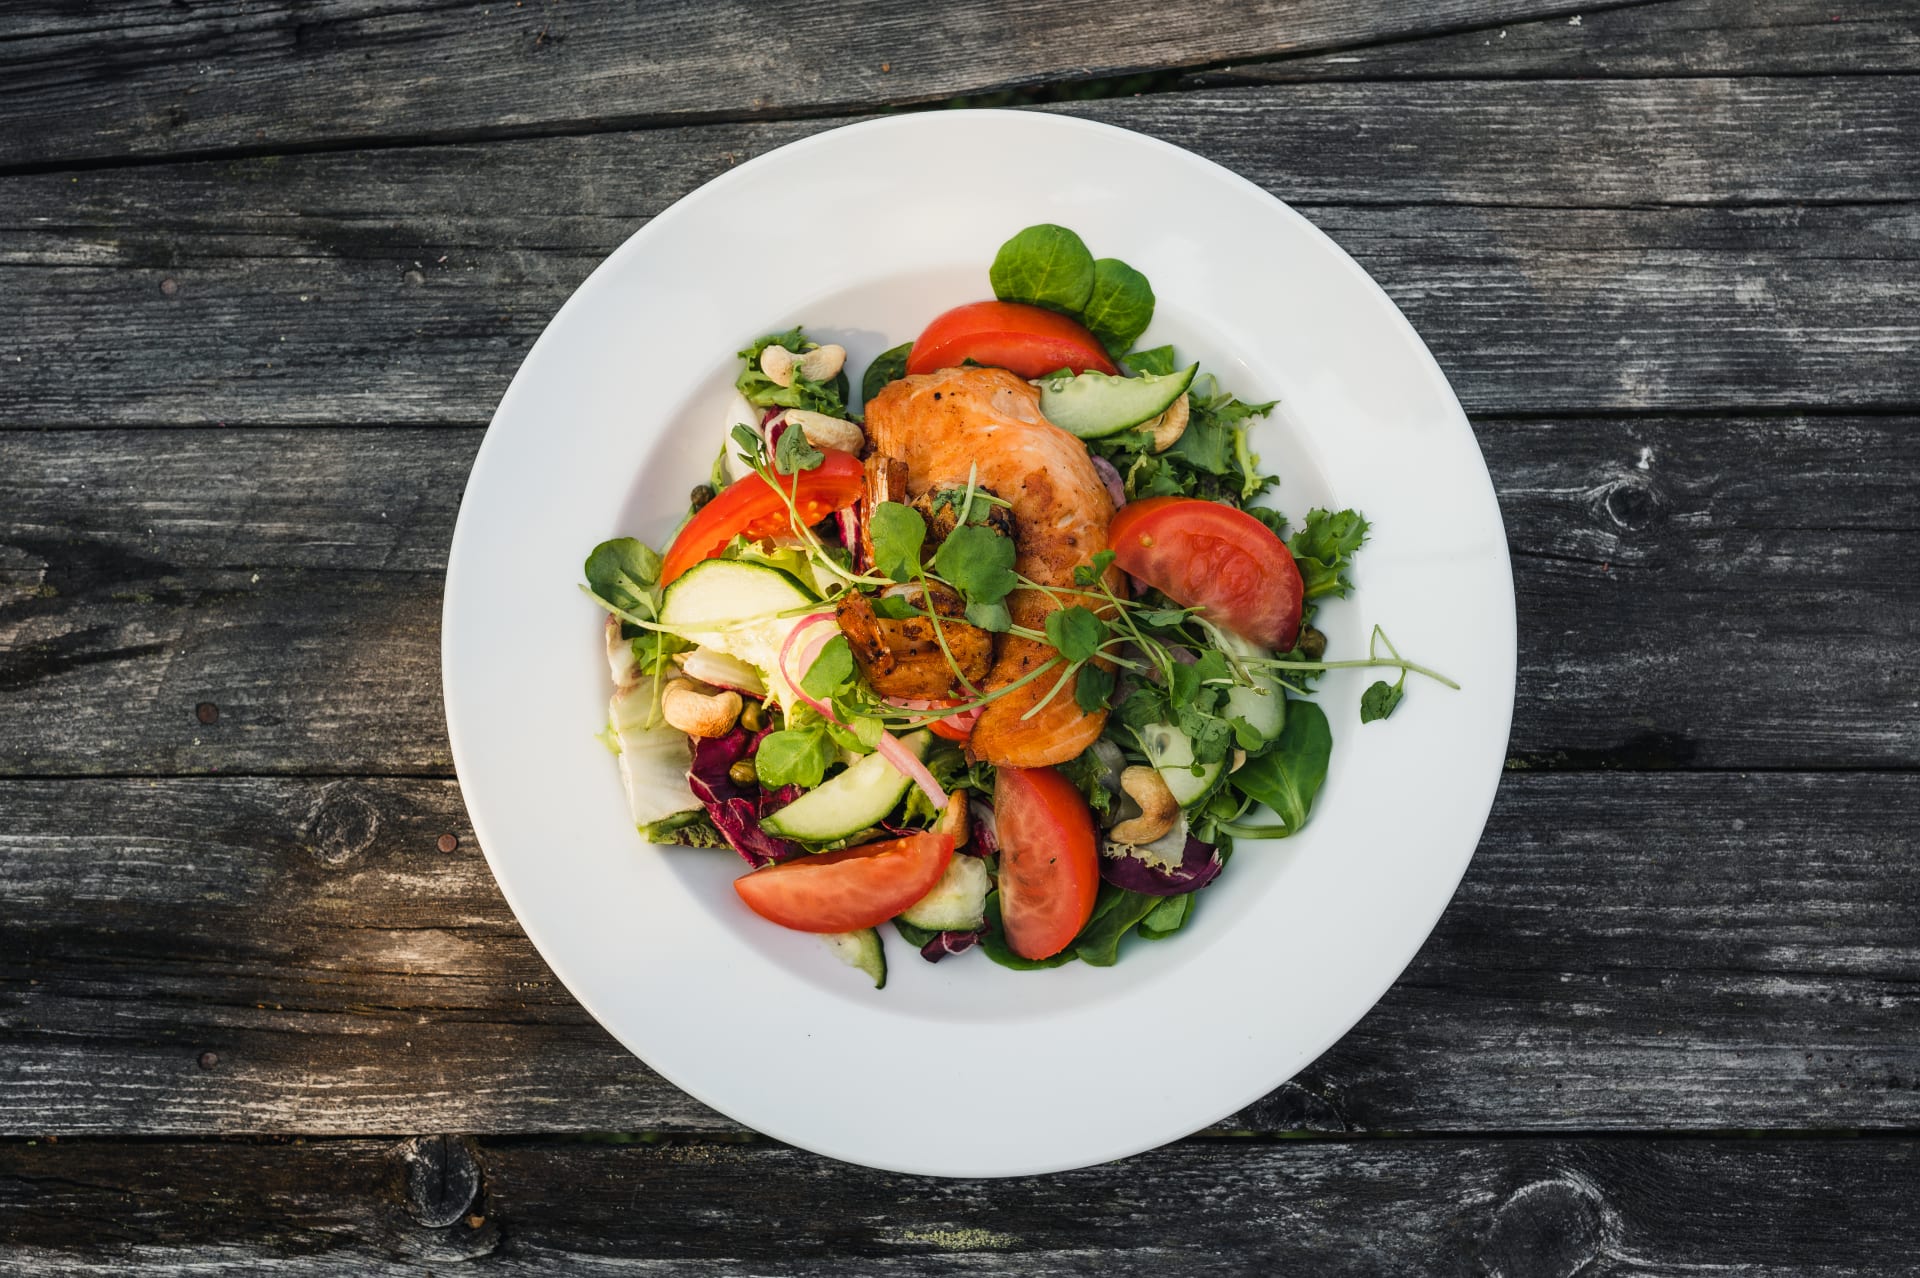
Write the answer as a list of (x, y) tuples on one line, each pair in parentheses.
[(659, 224)]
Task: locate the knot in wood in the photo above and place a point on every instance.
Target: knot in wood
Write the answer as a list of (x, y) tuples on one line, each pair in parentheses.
[(440, 1179), (1546, 1229), (341, 824), (1630, 503)]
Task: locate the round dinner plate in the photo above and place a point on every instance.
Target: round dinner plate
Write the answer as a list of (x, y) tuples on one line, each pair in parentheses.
[(964, 1068)]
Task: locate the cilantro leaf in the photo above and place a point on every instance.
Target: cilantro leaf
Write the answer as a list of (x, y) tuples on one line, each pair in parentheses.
[(795, 756), (898, 533), (894, 607), (1142, 707), (1379, 700), (978, 562), (1076, 632), (993, 618), (1092, 687), (795, 452), (830, 671), (625, 573), (1088, 574)]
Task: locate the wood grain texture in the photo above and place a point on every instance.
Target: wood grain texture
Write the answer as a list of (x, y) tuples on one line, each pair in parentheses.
[(1709, 950), (83, 82), (292, 580), (1543, 1209), (1755, 249), (1676, 38)]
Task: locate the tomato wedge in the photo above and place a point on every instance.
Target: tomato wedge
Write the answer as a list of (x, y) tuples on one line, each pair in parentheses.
[(1201, 554), (1049, 860), (1028, 340), (750, 506), (850, 889)]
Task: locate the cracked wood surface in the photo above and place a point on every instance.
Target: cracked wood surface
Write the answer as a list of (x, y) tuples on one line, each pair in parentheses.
[(269, 265)]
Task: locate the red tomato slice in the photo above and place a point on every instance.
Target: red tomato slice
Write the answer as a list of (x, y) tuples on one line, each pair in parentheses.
[(850, 889), (1028, 340), (1049, 860), (750, 506), (1201, 554)]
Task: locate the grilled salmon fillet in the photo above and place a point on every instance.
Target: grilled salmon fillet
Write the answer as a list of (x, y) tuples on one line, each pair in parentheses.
[(942, 425)]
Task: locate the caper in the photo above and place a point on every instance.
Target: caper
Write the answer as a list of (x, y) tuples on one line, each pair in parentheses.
[(1313, 644), (742, 773), (700, 496), (752, 717)]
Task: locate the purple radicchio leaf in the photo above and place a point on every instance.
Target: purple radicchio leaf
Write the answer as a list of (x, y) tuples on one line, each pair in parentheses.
[(735, 809), (986, 835), (1126, 867), (945, 943)]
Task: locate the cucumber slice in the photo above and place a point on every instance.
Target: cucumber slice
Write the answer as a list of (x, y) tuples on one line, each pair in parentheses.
[(1264, 705), (1096, 404), (862, 950), (1169, 749), (732, 608), (858, 799), (958, 902)]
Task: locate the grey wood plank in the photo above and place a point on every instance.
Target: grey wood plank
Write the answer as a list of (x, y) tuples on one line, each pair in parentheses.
[(1673, 950), (1625, 246), (1700, 592), (1675, 38), (1544, 1209), (92, 81)]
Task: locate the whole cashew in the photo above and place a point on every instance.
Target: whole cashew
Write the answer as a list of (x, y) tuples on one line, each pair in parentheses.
[(818, 365), (823, 431), (1158, 810), (697, 713)]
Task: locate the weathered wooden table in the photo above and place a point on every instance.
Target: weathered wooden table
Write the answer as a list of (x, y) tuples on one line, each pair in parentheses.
[(269, 263)]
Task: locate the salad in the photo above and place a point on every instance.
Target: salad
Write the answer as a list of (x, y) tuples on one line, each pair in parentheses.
[(1007, 657)]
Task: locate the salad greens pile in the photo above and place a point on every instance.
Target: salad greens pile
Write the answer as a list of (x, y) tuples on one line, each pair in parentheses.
[(1230, 727)]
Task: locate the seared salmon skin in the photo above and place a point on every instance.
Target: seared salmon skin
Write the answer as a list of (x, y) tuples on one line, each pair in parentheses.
[(942, 425)]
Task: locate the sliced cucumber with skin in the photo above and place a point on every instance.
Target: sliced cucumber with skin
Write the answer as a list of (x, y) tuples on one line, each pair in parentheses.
[(862, 950), (958, 902), (1171, 751), (855, 800), (732, 608), (1093, 405), (1264, 704)]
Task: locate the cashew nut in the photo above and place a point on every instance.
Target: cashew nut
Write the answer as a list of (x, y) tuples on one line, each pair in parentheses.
[(817, 365), (697, 713), (1158, 810), (777, 363), (823, 363), (823, 431), (954, 820), (1239, 760), (1169, 426)]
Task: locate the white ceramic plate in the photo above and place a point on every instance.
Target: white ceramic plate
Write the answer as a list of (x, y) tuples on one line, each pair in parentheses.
[(864, 233)]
